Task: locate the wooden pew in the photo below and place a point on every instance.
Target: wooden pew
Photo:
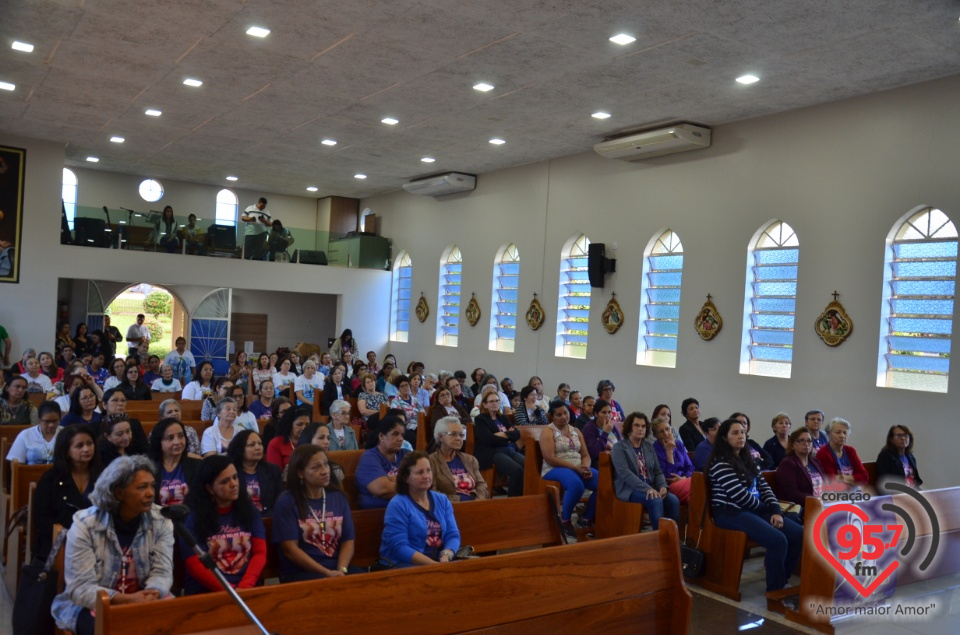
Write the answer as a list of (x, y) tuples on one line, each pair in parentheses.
[(818, 580), (348, 460), (163, 396), (614, 517), (612, 585), (22, 482), (724, 548), (487, 525)]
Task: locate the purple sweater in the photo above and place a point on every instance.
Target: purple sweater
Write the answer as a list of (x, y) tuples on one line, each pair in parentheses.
[(681, 466)]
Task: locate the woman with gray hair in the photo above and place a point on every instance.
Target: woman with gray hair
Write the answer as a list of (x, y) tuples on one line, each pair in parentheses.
[(121, 545), (455, 473), (840, 460), (167, 382), (342, 436), (217, 437), (170, 409)]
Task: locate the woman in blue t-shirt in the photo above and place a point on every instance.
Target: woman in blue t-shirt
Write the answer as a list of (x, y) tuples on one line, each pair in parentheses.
[(312, 525), (263, 481), (227, 525), (175, 470), (376, 473)]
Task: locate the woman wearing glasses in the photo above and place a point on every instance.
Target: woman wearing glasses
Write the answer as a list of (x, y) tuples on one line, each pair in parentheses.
[(896, 461), (455, 473), (342, 436), (800, 474)]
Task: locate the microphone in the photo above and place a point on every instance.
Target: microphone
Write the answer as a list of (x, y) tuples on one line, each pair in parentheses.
[(175, 512), (106, 211)]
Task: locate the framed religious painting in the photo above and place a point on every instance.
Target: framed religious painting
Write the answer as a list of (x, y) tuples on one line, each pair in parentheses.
[(708, 322), (12, 170), (473, 310), (423, 309), (534, 314), (834, 326), (612, 317)]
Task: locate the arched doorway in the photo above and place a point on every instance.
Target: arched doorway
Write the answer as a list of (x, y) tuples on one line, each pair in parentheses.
[(166, 316)]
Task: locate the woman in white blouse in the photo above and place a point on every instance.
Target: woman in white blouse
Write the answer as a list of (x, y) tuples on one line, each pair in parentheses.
[(202, 386)]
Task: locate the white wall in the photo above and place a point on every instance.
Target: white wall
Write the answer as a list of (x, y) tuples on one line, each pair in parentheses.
[(840, 174)]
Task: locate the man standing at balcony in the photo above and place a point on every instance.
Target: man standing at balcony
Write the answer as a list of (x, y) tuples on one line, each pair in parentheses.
[(258, 223)]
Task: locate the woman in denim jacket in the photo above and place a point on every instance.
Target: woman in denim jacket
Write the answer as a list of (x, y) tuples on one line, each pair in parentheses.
[(121, 545)]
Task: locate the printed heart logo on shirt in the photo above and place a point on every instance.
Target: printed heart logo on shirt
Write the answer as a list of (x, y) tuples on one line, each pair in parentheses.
[(819, 536)]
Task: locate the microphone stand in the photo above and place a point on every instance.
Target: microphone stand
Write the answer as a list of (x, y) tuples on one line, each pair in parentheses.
[(208, 562)]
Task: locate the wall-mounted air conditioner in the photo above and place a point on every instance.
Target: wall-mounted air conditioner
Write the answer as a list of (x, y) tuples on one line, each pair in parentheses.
[(654, 143), (441, 184)]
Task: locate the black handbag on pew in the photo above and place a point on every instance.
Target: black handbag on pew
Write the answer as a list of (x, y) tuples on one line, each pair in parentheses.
[(35, 593), (694, 561)]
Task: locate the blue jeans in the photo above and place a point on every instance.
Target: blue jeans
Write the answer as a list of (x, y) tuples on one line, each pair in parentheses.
[(573, 486), (657, 508), (783, 545)]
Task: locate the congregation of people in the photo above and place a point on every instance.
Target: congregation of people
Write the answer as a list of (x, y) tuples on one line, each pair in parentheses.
[(263, 454)]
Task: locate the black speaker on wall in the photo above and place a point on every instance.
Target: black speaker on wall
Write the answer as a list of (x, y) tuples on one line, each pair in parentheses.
[(598, 265)]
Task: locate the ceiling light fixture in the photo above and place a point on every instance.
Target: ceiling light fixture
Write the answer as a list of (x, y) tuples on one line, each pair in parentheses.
[(258, 31), (22, 46), (93, 159), (497, 142), (600, 115), (428, 159), (153, 113), (7, 86), (483, 87), (195, 83), (623, 39), (748, 79), (117, 139), (231, 178), (312, 189), (390, 121), (359, 176), (329, 142)]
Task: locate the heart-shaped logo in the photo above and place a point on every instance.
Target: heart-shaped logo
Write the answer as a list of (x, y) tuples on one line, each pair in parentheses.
[(834, 562)]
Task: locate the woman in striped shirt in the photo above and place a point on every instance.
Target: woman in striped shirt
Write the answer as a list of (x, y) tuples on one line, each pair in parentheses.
[(743, 501)]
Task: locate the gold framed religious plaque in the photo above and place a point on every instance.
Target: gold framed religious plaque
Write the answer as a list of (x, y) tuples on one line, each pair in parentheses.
[(535, 314), (422, 310), (708, 322), (473, 310), (834, 326), (612, 316)]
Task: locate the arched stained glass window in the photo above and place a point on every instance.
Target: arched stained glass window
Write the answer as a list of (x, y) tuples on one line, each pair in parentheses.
[(503, 306), (660, 301), (227, 208), (770, 302), (920, 273), (400, 303), (448, 300), (573, 306)]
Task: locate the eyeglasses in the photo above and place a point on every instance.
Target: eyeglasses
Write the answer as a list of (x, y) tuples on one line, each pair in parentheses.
[(462, 435), (901, 436), (804, 441)]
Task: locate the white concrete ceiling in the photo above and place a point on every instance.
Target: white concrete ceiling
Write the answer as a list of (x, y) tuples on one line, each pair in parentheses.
[(335, 69)]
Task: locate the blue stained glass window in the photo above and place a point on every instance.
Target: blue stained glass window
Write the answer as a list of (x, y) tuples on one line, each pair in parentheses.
[(400, 304), (660, 301), (772, 292), (919, 301), (448, 303), (573, 303)]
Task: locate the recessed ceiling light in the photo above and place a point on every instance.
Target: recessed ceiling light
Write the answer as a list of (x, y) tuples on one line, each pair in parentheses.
[(153, 113), (428, 159), (22, 46), (117, 139), (601, 115), (482, 87), (231, 178), (312, 189), (93, 159), (497, 142), (623, 39), (390, 121), (359, 176), (748, 79), (329, 142), (7, 86), (192, 82), (258, 31)]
